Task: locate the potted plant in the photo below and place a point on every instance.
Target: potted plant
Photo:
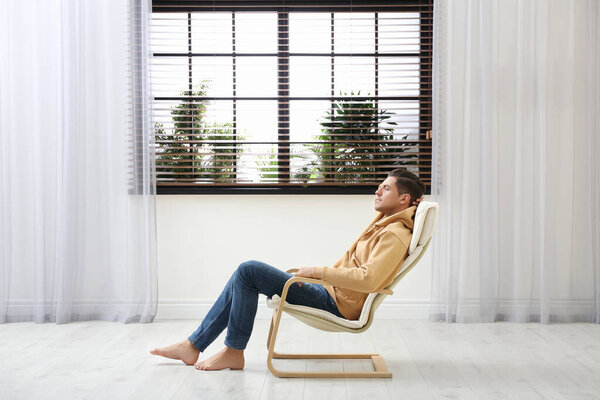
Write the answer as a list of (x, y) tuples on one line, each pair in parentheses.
[(193, 151), (356, 136)]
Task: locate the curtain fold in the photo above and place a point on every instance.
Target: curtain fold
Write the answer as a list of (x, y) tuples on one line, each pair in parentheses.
[(516, 161), (77, 197)]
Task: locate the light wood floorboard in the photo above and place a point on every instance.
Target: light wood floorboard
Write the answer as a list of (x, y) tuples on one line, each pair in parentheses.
[(101, 360)]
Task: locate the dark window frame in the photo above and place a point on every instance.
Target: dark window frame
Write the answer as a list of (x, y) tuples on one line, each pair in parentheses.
[(425, 97)]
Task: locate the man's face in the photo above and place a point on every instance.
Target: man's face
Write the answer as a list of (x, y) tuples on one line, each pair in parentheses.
[(387, 199)]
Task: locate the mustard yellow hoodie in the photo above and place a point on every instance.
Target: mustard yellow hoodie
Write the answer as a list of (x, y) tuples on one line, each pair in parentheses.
[(371, 263)]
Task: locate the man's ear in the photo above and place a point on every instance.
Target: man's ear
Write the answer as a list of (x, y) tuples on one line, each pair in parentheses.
[(405, 198)]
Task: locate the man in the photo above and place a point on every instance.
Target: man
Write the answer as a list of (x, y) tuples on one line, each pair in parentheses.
[(369, 265)]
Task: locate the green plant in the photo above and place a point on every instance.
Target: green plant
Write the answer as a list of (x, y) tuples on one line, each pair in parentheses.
[(177, 148), (354, 142), (183, 153), (304, 168), (223, 152), (268, 166)]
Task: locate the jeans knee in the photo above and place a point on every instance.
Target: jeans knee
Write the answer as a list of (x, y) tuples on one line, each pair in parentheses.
[(246, 268)]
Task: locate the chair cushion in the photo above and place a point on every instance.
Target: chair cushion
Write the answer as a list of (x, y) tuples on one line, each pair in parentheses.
[(423, 227), (359, 323)]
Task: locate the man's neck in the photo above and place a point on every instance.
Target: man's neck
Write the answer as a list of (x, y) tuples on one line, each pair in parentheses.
[(394, 213)]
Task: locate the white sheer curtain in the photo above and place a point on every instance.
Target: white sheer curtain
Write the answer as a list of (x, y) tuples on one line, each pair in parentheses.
[(77, 202), (517, 169)]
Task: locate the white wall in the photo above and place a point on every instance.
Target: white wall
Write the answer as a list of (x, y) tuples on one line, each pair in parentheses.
[(203, 238)]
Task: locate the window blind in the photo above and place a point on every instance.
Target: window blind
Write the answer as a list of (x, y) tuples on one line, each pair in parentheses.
[(290, 94)]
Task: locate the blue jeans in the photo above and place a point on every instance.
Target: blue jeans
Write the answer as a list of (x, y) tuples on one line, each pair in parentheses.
[(236, 306)]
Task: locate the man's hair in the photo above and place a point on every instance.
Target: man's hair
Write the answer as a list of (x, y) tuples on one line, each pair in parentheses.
[(407, 182)]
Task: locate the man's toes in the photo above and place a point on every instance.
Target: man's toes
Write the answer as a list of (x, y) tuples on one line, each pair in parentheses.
[(206, 367)]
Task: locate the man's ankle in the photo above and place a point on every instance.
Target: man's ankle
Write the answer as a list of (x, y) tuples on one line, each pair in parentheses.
[(233, 350)]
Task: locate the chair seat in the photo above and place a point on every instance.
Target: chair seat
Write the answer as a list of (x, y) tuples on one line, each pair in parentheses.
[(325, 319)]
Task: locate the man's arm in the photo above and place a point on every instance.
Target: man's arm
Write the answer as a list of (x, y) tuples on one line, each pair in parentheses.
[(384, 261), (417, 201), (308, 272)]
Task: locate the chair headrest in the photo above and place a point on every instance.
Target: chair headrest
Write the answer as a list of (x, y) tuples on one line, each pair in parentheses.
[(425, 220)]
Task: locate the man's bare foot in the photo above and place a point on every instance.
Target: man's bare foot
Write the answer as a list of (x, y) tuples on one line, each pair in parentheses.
[(226, 358), (183, 351)]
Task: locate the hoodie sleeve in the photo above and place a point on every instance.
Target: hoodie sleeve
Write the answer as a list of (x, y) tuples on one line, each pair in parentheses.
[(384, 261)]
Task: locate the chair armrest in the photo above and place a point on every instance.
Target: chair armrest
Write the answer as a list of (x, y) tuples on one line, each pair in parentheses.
[(292, 270), (295, 279)]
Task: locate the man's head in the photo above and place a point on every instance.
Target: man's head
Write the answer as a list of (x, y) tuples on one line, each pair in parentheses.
[(398, 192)]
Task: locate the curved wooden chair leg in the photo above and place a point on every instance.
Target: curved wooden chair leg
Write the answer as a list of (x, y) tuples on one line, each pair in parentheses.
[(379, 368)]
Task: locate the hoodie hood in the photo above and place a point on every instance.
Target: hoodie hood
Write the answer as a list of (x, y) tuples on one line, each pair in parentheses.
[(405, 216)]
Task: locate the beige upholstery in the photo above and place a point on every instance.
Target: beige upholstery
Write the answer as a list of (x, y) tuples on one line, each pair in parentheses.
[(425, 220)]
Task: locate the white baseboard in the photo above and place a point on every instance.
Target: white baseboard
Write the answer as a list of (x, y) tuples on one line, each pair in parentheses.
[(197, 309)]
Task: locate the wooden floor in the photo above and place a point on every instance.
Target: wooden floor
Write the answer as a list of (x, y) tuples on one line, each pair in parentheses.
[(100, 360)]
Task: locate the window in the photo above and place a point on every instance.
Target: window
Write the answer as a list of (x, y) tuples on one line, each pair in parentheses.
[(290, 97)]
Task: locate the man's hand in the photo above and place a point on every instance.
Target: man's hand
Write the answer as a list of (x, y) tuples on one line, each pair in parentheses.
[(417, 201), (306, 272)]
